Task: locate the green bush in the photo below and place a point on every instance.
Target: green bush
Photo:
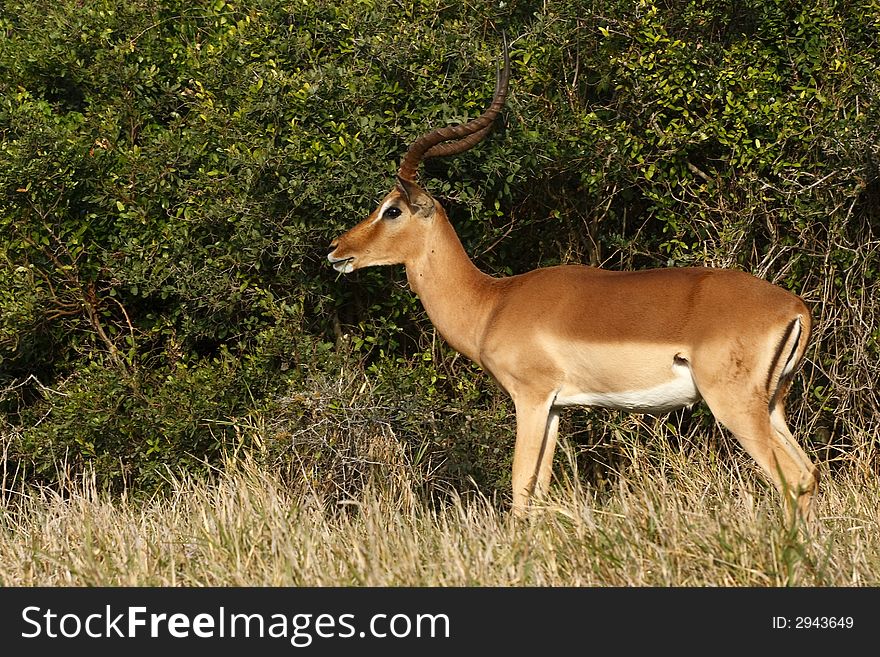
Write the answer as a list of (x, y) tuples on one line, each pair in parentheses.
[(172, 173)]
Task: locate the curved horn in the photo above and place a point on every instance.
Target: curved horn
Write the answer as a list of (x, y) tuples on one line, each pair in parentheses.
[(431, 144)]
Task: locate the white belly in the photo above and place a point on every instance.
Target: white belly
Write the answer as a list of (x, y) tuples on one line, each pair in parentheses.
[(677, 392)]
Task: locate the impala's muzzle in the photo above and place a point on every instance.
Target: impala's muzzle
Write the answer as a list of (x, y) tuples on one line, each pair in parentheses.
[(342, 265)]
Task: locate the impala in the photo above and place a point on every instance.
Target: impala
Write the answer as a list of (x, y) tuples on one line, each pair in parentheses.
[(642, 341)]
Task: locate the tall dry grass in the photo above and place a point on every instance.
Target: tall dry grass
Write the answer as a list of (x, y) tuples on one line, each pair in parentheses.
[(666, 518)]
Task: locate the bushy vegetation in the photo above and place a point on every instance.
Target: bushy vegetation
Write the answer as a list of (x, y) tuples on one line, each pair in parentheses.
[(171, 174)]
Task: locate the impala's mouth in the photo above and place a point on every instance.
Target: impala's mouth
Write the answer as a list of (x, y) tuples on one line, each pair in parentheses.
[(343, 265)]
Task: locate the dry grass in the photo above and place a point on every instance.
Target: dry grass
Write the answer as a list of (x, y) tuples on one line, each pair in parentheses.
[(667, 519)]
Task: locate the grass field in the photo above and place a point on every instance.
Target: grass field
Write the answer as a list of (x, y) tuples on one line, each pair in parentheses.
[(665, 519)]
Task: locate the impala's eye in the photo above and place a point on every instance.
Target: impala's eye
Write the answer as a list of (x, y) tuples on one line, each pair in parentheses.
[(391, 213)]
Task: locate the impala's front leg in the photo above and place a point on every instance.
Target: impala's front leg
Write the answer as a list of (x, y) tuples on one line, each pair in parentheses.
[(537, 425)]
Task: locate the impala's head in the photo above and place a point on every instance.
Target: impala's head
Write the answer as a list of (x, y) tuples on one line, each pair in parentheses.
[(396, 230), (391, 235)]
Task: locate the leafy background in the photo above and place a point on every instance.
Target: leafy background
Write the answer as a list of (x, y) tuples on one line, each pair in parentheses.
[(171, 174)]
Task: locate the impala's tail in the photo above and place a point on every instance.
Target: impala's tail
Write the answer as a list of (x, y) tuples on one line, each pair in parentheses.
[(788, 357)]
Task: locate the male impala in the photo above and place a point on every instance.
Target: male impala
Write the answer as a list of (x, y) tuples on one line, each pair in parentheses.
[(644, 341)]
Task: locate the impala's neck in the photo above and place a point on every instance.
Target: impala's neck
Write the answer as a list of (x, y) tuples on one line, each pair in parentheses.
[(457, 296)]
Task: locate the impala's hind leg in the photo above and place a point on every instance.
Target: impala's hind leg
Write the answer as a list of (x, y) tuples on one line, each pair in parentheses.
[(772, 448), (809, 484), (745, 390), (767, 439)]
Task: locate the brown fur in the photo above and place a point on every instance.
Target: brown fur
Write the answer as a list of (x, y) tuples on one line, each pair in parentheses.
[(644, 340)]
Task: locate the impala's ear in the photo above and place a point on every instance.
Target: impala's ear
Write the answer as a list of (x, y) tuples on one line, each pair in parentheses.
[(417, 199)]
